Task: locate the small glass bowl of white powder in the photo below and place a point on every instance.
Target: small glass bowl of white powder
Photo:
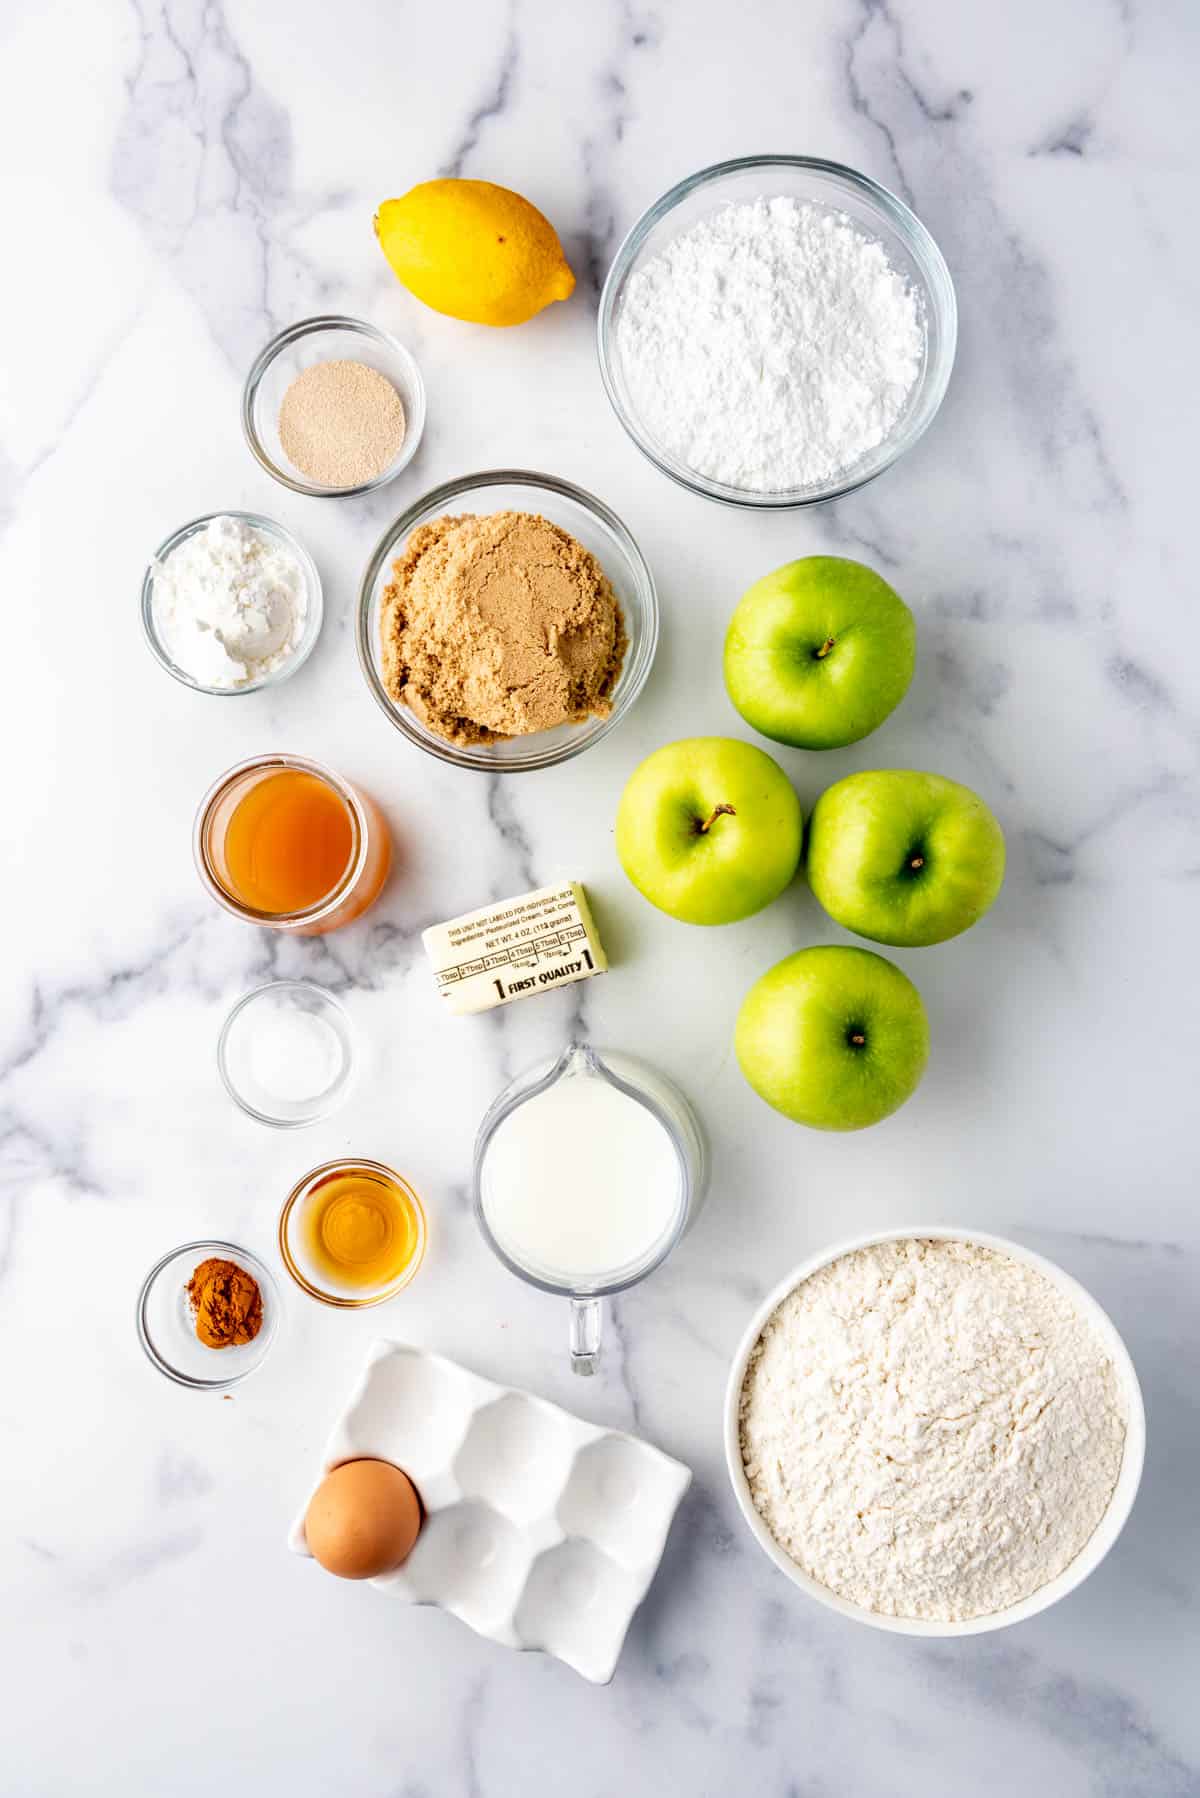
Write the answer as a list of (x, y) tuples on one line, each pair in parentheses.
[(286, 1054), (776, 331), (231, 603)]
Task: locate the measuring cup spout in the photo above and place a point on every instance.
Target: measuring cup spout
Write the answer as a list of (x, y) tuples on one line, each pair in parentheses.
[(585, 1335)]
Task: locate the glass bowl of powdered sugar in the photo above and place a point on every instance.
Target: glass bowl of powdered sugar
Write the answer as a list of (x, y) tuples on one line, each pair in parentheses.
[(776, 331)]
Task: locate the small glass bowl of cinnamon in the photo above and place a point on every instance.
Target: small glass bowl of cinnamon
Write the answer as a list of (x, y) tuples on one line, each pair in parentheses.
[(171, 1325)]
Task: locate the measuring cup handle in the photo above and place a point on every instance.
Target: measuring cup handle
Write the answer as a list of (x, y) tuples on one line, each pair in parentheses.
[(585, 1335)]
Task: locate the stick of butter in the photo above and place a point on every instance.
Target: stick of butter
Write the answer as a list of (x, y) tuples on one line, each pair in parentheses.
[(518, 947)]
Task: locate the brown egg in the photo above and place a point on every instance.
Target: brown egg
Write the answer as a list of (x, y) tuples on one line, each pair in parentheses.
[(363, 1519)]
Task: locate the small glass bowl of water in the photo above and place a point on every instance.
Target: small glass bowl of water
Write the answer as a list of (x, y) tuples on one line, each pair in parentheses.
[(286, 1054)]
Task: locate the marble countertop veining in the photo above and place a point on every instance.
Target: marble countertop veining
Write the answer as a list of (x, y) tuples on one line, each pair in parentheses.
[(183, 178)]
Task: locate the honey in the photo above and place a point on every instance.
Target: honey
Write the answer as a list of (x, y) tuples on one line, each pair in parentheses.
[(283, 842), (361, 1228)]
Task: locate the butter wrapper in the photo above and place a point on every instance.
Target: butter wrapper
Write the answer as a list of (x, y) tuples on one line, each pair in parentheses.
[(518, 947)]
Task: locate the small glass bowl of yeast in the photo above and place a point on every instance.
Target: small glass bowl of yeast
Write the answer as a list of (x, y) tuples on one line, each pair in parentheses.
[(331, 338)]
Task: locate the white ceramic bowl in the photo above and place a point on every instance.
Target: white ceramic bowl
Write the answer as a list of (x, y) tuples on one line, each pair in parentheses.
[(1089, 1556)]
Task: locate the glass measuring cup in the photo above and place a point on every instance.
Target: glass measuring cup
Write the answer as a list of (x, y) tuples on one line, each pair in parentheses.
[(666, 1132)]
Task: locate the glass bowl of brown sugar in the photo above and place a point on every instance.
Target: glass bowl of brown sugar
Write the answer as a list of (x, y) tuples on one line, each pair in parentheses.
[(333, 407), (594, 531)]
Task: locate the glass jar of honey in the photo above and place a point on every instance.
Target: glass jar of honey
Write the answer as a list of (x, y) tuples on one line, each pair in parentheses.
[(283, 842)]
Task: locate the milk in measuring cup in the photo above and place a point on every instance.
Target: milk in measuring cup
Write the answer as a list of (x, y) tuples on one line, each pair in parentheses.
[(580, 1183)]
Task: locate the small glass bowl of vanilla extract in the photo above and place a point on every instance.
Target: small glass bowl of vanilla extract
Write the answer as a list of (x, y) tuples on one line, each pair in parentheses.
[(352, 1233)]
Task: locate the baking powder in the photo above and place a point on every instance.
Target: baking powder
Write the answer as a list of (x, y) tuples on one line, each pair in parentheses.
[(931, 1429), (771, 346)]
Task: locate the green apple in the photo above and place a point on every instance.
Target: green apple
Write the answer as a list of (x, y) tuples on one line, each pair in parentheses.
[(818, 653), (904, 858), (709, 829), (834, 1037)]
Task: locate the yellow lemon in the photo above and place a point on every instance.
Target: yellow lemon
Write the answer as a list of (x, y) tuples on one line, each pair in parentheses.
[(474, 251)]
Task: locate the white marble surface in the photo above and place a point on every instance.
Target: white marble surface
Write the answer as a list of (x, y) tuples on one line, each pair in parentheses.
[(181, 180)]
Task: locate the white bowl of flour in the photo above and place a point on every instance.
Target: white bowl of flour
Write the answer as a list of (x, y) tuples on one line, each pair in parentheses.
[(933, 1431), (776, 330)]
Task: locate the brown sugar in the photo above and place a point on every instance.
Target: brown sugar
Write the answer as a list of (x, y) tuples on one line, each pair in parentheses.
[(498, 626)]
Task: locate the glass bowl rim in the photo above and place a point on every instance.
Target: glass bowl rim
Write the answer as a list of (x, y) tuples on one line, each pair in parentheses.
[(936, 281), (646, 646), (312, 626), (338, 1300), (235, 1011), (234, 1252), (414, 419)]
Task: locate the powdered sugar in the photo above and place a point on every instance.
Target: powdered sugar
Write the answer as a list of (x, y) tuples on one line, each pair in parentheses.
[(771, 346), (931, 1428)]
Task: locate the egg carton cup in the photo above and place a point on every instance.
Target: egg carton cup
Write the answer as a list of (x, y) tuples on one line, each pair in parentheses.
[(540, 1531)]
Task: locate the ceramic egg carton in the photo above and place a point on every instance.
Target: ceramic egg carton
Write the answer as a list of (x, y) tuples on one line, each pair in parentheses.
[(540, 1530)]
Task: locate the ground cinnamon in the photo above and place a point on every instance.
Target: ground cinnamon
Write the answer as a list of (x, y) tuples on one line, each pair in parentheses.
[(227, 1303)]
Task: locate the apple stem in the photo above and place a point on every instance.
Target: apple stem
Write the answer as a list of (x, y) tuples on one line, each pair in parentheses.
[(717, 811), (858, 1041), (824, 649), (918, 861)]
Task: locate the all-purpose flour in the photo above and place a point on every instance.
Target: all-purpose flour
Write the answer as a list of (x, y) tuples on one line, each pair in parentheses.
[(931, 1429), (770, 346)]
